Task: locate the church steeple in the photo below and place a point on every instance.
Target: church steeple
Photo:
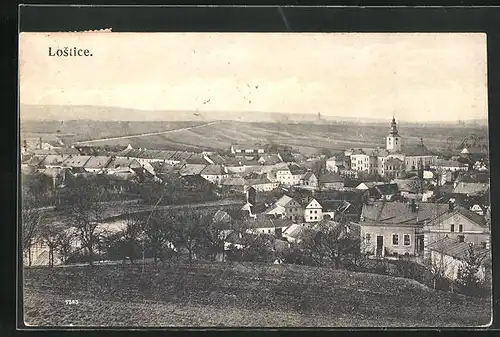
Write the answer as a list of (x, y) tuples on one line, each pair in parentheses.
[(394, 127), (393, 140)]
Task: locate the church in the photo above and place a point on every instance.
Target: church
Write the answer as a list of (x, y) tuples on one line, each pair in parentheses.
[(395, 159)]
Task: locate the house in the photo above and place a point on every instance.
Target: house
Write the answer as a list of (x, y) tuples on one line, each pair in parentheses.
[(471, 189), (411, 188), (286, 207), (387, 192), (76, 161), (120, 164), (286, 157), (309, 180), (336, 163), (179, 157), (247, 149), (33, 161), (457, 223), (191, 169), (449, 255), (331, 181), (449, 165), (215, 159), (313, 211), (214, 173), (270, 159), (396, 228), (265, 225), (53, 160), (393, 168), (262, 184), (96, 163), (365, 186), (295, 233), (418, 156), (291, 175)]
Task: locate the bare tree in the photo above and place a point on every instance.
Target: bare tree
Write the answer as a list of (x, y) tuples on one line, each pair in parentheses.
[(64, 243), (187, 231), (30, 222), (87, 211)]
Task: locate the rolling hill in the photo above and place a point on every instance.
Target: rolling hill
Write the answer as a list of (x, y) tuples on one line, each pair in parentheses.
[(238, 294)]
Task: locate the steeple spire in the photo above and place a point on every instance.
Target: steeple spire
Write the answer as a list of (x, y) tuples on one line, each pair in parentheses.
[(394, 129)]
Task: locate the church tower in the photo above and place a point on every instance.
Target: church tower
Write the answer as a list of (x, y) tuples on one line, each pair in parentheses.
[(393, 140)]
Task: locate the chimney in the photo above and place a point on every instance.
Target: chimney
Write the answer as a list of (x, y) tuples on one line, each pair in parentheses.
[(451, 206), (461, 238), (413, 206), (484, 245)]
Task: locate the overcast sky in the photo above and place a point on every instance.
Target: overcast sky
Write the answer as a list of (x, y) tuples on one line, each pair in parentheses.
[(419, 77)]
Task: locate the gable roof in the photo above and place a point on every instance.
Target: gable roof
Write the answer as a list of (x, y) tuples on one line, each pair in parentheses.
[(471, 188), (122, 162), (453, 247), (467, 213), (181, 155), (401, 214), (308, 176), (34, 161), (283, 201), (76, 161), (54, 159), (214, 170), (409, 185), (233, 181), (97, 162), (387, 189), (221, 216), (270, 159), (313, 201), (191, 169)]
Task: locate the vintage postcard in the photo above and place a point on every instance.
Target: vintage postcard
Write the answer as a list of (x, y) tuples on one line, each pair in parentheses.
[(254, 180)]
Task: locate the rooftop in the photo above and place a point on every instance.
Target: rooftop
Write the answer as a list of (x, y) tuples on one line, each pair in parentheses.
[(97, 162), (191, 169), (76, 161), (453, 247), (214, 170), (399, 213)]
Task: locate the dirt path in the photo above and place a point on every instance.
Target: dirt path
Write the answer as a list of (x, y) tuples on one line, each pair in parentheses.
[(144, 134)]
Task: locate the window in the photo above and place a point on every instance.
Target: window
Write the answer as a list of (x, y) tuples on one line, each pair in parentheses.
[(310, 212), (315, 218), (460, 228), (395, 239), (315, 212), (407, 239), (368, 237), (452, 228)]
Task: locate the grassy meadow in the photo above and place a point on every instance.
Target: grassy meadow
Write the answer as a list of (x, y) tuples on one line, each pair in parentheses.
[(238, 294)]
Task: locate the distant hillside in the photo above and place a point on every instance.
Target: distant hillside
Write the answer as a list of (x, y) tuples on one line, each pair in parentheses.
[(82, 112), (239, 294)]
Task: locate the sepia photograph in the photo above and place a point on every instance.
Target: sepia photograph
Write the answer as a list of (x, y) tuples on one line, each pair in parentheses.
[(266, 180)]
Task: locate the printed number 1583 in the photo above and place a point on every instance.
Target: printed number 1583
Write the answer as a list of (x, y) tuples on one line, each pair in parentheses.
[(71, 301)]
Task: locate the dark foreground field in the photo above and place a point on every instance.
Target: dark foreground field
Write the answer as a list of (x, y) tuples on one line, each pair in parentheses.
[(239, 294)]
